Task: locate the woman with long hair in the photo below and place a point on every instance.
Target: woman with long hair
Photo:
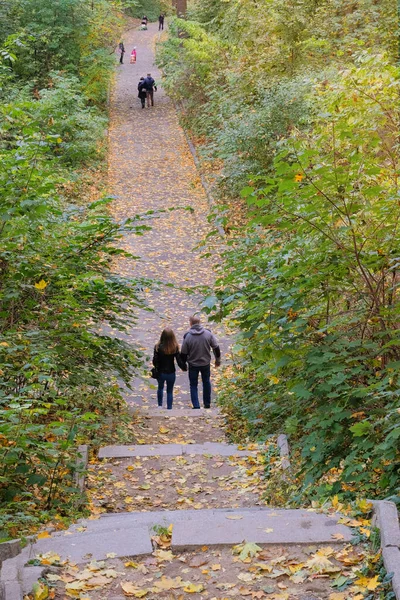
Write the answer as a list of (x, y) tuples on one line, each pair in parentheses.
[(166, 352)]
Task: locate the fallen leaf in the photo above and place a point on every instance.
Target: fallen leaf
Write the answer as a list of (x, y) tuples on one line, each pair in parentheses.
[(193, 588), (369, 583), (249, 550), (130, 589), (40, 591), (43, 534), (163, 554)]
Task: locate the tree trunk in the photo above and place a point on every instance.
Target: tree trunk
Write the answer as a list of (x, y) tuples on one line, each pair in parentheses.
[(181, 7)]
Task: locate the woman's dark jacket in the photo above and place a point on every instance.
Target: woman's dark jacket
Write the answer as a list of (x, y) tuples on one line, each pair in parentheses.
[(165, 363), (142, 90)]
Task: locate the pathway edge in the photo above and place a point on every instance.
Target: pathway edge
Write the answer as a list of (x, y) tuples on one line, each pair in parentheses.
[(386, 519)]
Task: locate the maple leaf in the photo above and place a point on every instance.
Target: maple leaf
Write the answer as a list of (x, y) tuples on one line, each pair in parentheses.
[(321, 564), (369, 583), (50, 558), (41, 285), (247, 550), (40, 591), (163, 554), (193, 588), (130, 589), (43, 534)]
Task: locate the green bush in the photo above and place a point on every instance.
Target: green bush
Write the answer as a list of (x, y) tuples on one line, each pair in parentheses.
[(313, 288)]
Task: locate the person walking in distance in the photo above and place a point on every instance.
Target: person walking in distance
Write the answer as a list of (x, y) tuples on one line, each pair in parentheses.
[(196, 350), (166, 352), (151, 87), (160, 22), (142, 91), (122, 52)]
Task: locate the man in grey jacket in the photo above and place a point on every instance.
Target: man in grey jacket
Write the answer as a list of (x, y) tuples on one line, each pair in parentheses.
[(196, 350)]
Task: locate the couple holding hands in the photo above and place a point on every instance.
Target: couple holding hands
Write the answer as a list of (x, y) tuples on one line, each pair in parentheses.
[(196, 349)]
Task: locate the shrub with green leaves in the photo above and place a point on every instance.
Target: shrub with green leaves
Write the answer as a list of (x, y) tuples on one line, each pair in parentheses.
[(63, 308), (313, 287)]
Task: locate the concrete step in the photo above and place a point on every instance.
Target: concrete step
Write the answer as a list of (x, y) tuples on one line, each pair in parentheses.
[(89, 545), (211, 448), (278, 527), (30, 576), (129, 534)]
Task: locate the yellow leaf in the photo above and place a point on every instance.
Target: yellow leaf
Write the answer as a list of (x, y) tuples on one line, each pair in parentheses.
[(163, 554), (40, 591), (130, 589), (74, 588), (337, 536), (321, 564), (49, 558), (43, 534), (338, 596), (132, 564), (365, 583), (216, 567), (373, 583), (364, 505), (4, 344), (163, 429), (193, 588), (269, 530), (41, 284), (365, 531)]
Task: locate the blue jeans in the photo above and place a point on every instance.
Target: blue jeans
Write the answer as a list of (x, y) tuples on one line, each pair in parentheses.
[(169, 378), (194, 382)]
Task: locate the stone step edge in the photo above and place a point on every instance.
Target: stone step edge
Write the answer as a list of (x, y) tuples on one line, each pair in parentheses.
[(149, 450), (385, 517)]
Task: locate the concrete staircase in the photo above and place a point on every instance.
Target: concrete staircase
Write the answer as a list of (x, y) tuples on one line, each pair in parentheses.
[(129, 533)]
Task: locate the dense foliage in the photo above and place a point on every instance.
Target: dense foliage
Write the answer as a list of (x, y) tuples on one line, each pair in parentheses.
[(298, 102), (58, 362)]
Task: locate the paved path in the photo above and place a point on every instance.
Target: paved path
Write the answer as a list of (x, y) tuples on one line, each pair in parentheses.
[(151, 168)]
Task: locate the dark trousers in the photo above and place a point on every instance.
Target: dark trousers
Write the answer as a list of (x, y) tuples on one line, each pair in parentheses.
[(150, 97), (143, 101), (169, 379), (160, 25), (121, 59), (194, 383)]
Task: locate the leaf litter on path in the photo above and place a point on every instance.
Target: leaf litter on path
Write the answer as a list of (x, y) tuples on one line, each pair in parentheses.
[(248, 570)]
